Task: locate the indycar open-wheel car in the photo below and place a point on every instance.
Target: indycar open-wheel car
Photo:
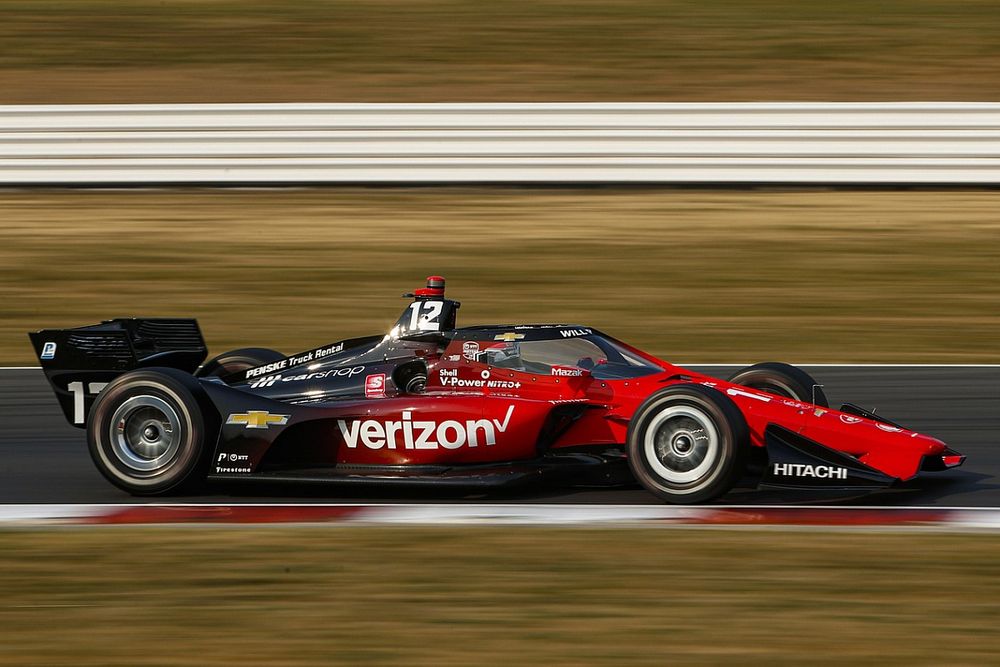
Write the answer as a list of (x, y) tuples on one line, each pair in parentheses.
[(478, 407)]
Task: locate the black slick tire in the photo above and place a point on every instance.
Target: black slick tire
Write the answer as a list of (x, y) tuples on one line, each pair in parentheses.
[(147, 432), (780, 379), (238, 360)]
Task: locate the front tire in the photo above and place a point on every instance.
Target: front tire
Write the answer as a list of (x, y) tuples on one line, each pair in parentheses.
[(784, 380), (147, 433), (687, 444)]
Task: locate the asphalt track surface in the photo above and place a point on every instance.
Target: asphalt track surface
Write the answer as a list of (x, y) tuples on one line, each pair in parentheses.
[(44, 460)]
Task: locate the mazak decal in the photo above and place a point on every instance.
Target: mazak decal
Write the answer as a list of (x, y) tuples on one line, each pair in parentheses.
[(570, 333), (257, 419), (806, 470), (375, 386), (567, 371), (48, 351), (270, 380), (408, 433)]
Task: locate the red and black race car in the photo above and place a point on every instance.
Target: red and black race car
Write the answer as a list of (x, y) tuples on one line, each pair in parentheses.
[(477, 407)]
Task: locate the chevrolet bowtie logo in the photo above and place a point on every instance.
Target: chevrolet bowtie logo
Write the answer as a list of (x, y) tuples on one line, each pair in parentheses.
[(257, 419), (508, 337)]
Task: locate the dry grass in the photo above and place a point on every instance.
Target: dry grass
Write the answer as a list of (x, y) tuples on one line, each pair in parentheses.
[(77, 51), (491, 596), (691, 275)]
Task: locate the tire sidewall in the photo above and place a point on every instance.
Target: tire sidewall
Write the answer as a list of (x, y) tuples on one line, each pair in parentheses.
[(732, 442), (191, 449)]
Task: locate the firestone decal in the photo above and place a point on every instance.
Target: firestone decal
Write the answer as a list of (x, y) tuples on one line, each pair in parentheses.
[(448, 434), (806, 470), (230, 459)]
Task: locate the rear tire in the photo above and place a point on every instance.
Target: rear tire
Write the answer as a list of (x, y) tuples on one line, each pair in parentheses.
[(784, 380), (235, 361), (687, 444), (147, 432)]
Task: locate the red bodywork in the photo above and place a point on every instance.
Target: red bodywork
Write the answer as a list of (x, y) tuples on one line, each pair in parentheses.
[(463, 391)]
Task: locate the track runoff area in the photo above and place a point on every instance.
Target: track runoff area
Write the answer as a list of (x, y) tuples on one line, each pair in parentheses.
[(47, 478)]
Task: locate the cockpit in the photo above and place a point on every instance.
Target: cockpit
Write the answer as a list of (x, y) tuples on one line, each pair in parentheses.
[(541, 354)]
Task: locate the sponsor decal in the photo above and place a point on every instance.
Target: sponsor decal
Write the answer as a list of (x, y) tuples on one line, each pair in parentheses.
[(888, 428), (819, 412), (408, 433), (453, 357), (570, 333), (268, 368), (257, 419), (375, 386), (477, 383), (48, 351), (225, 469), (794, 404), (295, 360), (742, 392), (470, 350), (509, 337), (567, 371), (806, 470), (448, 373), (850, 419), (269, 381)]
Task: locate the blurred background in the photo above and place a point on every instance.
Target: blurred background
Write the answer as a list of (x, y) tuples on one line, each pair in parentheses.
[(693, 274)]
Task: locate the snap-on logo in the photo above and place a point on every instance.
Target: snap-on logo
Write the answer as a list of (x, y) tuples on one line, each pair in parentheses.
[(408, 433)]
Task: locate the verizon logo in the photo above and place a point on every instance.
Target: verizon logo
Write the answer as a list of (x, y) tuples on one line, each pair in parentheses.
[(408, 433)]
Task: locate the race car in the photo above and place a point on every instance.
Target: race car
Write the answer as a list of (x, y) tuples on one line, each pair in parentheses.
[(479, 407)]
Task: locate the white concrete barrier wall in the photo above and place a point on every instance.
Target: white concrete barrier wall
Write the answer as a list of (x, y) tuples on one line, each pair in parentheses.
[(905, 143)]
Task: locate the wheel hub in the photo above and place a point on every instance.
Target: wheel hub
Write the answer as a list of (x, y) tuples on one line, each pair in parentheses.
[(681, 444), (145, 433)]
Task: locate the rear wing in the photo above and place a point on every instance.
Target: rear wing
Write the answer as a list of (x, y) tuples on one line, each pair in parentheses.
[(79, 362)]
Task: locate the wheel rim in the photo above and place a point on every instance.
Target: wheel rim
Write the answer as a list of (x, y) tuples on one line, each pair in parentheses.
[(681, 444), (145, 433)]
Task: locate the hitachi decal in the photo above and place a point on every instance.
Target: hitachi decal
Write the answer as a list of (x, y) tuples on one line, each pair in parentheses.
[(806, 470), (410, 434)]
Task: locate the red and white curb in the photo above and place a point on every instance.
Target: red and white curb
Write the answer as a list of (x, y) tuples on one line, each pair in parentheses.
[(500, 514)]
